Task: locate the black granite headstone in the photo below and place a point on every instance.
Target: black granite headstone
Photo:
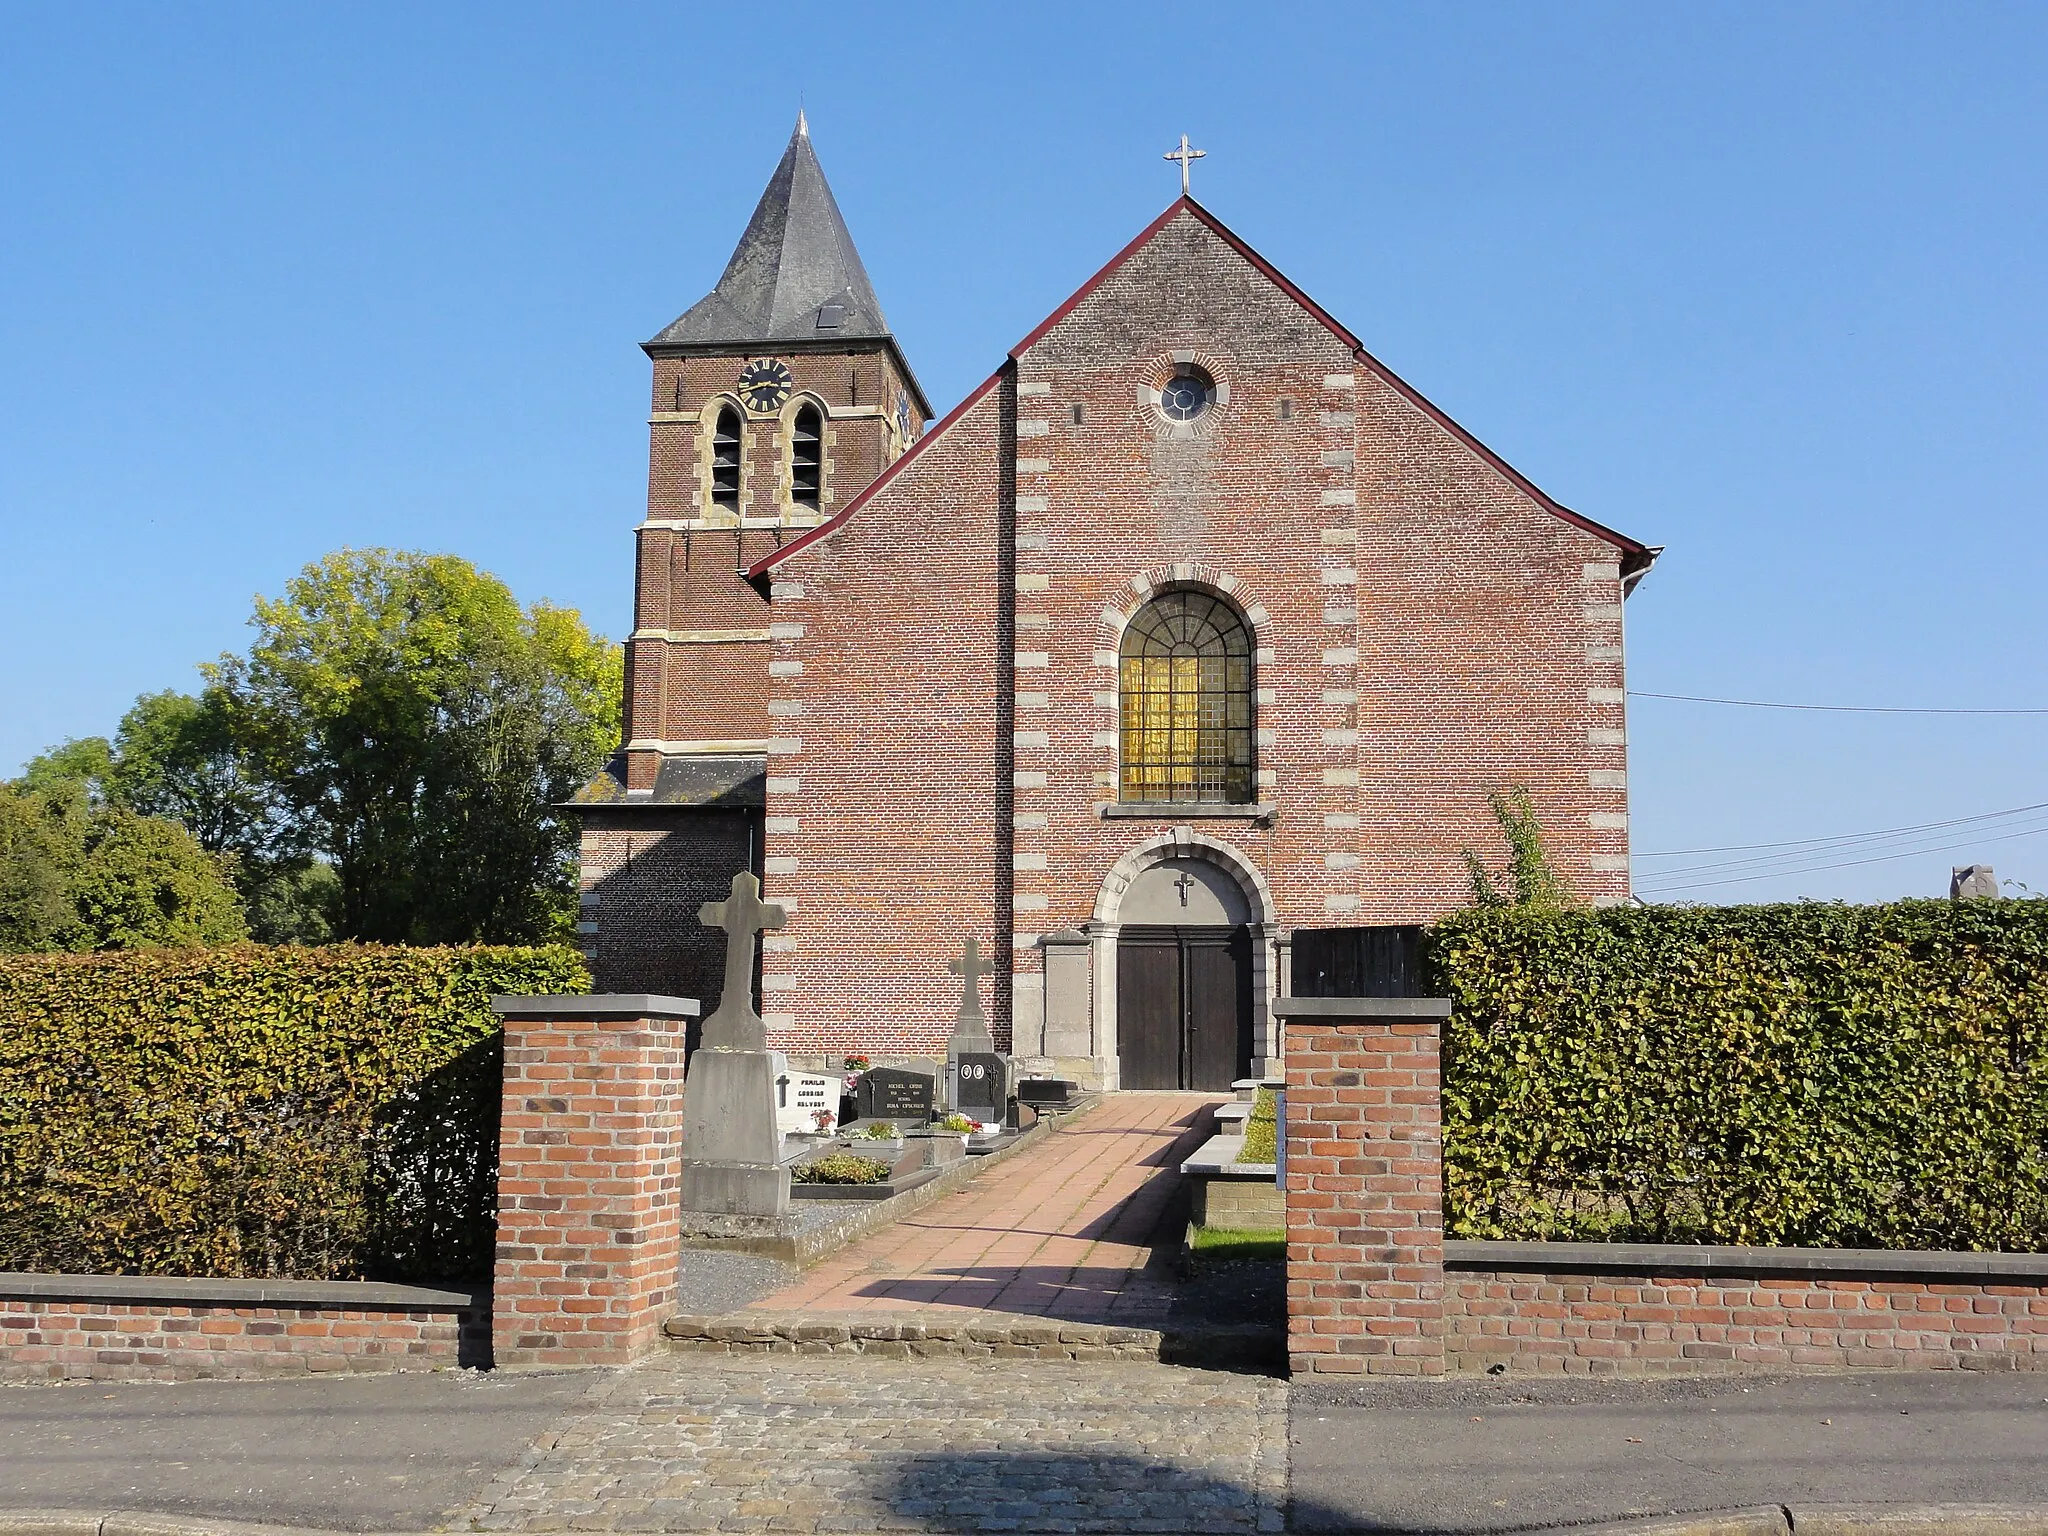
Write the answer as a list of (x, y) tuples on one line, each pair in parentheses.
[(1048, 1092), (891, 1093), (984, 1086)]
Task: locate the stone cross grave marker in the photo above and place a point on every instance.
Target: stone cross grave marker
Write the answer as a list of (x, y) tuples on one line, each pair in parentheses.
[(743, 915), (732, 1146), (970, 1027)]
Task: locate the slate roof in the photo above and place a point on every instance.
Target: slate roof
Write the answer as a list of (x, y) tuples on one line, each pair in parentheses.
[(795, 275)]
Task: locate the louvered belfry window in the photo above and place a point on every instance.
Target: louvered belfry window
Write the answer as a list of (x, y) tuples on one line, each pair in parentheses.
[(807, 459), (1185, 670), (725, 461)]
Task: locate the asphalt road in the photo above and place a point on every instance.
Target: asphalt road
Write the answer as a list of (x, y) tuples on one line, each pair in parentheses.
[(359, 1453), (1499, 1455)]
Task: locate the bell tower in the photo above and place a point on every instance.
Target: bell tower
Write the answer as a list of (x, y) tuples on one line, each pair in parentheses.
[(777, 398)]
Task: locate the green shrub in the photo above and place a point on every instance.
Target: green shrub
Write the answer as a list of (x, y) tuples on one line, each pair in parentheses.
[(1819, 1075), (842, 1168), (1260, 1129), (316, 1113)]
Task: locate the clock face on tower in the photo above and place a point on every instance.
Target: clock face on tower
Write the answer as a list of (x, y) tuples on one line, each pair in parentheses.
[(764, 384)]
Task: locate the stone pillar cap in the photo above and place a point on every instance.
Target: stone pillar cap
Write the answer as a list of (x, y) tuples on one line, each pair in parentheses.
[(598, 1005)]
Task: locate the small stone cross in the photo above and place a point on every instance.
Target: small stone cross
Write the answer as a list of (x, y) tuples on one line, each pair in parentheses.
[(742, 915), (970, 970), (1185, 883), (1186, 157)]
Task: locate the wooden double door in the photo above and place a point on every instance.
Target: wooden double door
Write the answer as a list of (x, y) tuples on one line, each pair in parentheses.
[(1184, 1007)]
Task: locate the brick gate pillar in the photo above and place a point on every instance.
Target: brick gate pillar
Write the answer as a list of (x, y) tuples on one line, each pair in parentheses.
[(1365, 1206), (589, 1177)]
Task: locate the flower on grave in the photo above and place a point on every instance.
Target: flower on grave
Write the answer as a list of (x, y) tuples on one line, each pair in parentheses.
[(824, 1119), (856, 1063)]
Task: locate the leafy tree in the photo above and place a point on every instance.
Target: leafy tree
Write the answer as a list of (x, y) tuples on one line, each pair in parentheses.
[(418, 726), (1532, 882), (79, 876), (79, 770), (39, 855), (145, 881)]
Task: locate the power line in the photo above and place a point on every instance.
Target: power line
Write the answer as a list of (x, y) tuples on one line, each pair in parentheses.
[(1847, 837), (1882, 858), (1798, 863), (1831, 709)]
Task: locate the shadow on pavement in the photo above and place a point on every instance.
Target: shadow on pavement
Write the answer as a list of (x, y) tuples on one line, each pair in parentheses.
[(957, 1491)]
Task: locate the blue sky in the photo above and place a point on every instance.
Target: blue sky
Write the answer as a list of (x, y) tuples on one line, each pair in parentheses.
[(1757, 282)]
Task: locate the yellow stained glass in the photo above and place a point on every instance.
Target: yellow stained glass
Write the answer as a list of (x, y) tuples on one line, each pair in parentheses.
[(1185, 711)]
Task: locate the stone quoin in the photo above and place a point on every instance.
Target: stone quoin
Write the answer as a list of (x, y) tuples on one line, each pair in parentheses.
[(1192, 626)]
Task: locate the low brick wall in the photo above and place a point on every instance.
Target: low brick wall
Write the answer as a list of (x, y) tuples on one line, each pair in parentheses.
[(1576, 1308), (1373, 1287), (142, 1328)]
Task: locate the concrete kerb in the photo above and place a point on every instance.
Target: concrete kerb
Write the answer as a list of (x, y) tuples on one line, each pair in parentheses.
[(1762, 1520), (937, 1334)]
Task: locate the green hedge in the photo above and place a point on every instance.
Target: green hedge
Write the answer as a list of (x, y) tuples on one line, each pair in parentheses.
[(317, 1113), (1821, 1075)]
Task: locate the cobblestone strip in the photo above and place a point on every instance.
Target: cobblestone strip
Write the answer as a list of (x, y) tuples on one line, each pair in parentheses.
[(804, 1444)]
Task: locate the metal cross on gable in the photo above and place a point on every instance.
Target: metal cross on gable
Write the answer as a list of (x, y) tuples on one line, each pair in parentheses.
[(1184, 883), (1187, 156)]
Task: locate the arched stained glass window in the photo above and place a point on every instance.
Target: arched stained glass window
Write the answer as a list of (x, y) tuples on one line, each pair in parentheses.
[(725, 460), (807, 458), (1185, 670)]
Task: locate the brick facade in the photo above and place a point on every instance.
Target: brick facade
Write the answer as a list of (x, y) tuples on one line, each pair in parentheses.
[(922, 674), (944, 761), (1373, 1288), (589, 1177), (103, 1340)]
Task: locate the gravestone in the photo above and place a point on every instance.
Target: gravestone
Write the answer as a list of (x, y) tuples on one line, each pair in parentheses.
[(982, 1086), (799, 1096), (970, 1026), (732, 1146), (1972, 882), (1048, 1092), (891, 1093)]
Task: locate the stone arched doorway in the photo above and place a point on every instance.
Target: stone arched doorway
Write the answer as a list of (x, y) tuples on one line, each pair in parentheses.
[(1181, 950), (1184, 979)]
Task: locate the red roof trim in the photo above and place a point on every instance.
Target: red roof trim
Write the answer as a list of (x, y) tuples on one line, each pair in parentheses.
[(832, 525), (1414, 396), (1514, 476), (1230, 237)]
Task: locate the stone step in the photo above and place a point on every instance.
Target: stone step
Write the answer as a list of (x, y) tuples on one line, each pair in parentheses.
[(925, 1334)]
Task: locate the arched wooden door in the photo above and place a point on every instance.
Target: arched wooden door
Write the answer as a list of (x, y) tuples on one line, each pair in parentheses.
[(1184, 1006)]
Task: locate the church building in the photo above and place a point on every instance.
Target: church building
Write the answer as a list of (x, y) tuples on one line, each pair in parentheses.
[(1192, 627)]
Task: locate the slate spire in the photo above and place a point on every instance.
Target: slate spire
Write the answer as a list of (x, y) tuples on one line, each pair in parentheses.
[(795, 275)]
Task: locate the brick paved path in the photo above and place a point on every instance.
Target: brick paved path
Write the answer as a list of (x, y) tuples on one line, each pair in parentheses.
[(811, 1444), (1064, 1231)]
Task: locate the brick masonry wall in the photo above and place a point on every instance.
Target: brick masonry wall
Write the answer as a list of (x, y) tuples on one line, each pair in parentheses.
[(1590, 1324), (644, 874), (589, 1175), (1426, 632), (886, 830), (91, 1340), (1365, 1223)]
